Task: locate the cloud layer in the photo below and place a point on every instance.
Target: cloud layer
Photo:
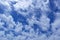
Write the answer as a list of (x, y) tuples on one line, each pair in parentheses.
[(29, 20)]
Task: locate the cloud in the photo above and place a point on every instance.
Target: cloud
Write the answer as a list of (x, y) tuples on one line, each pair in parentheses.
[(18, 21), (5, 6)]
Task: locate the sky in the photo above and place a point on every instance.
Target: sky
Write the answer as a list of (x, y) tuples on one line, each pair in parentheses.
[(29, 20)]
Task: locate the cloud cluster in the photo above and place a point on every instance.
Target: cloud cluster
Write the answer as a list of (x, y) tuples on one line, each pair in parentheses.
[(32, 22)]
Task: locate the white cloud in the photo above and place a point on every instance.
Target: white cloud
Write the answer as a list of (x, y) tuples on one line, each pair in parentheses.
[(54, 37), (57, 3), (7, 7), (56, 23), (18, 27), (8, 19), (44, 23), (2, 33), (22, 5)]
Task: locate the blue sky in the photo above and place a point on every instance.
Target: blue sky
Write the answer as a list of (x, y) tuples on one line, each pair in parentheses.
[(29, 20)]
